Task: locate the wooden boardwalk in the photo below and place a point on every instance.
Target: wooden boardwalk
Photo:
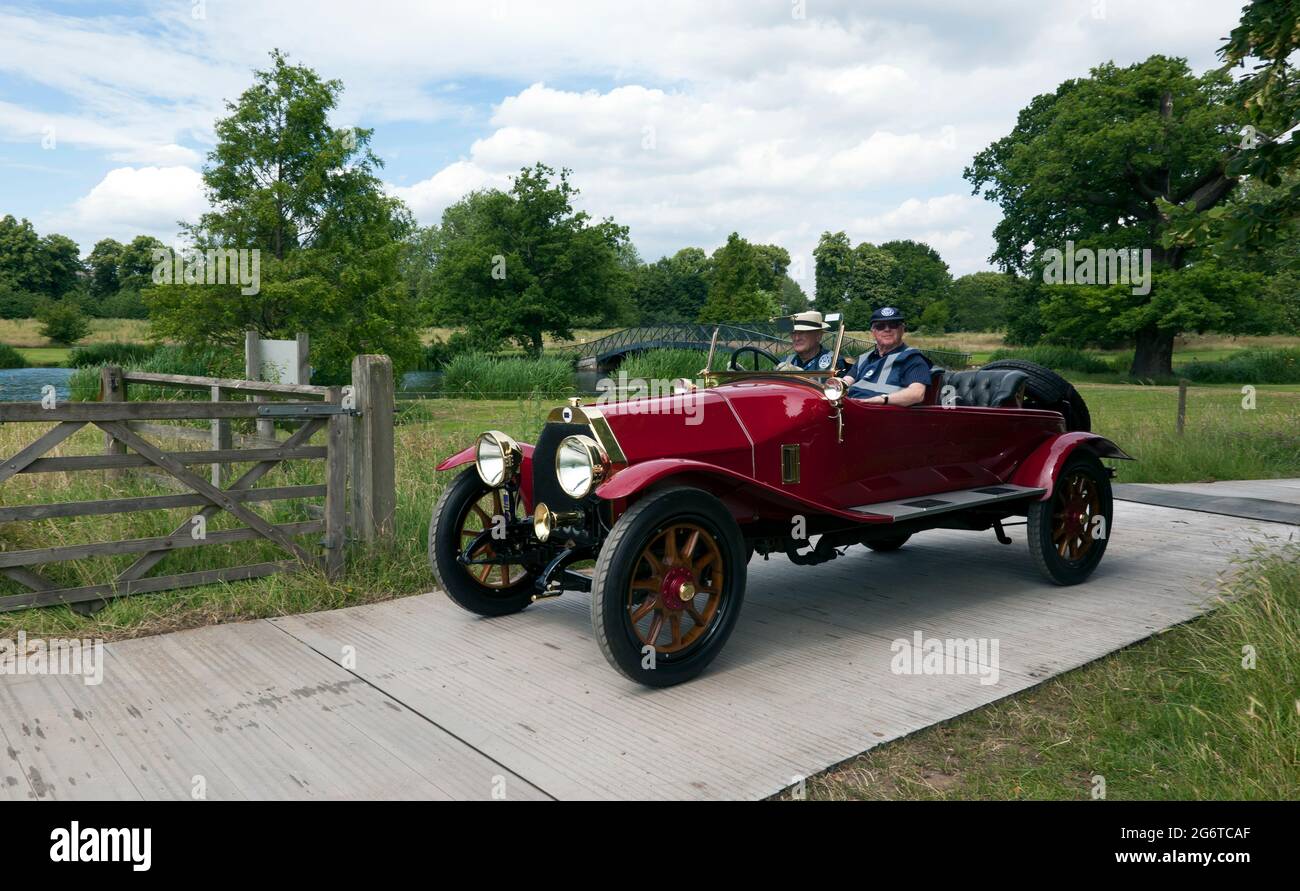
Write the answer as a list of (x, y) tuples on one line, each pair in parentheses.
[(436, 703)]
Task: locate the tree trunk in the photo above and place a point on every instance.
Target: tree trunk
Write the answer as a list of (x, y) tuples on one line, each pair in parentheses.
[(1154, 355)]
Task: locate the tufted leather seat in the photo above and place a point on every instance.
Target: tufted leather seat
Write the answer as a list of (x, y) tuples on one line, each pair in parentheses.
[(989, 389)]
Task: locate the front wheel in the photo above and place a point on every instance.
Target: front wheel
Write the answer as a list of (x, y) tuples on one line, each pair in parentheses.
[(668, 586), (467, 508), (1069, 531)]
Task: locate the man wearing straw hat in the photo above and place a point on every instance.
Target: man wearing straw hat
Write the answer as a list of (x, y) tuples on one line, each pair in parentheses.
[(809, 354)]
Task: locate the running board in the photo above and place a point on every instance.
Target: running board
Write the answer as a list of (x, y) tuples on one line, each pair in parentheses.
[(942, 502)]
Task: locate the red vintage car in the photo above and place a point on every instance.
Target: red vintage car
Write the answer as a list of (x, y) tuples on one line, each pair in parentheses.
[(672, 496)]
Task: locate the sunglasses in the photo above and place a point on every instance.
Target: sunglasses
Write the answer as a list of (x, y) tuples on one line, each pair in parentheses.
[(885, 326)]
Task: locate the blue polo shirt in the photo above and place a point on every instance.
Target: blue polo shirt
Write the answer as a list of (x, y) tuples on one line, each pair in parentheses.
[(877, 375), (820, 362)]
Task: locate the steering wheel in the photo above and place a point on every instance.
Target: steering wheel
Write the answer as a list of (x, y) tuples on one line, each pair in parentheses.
[(735, 365)]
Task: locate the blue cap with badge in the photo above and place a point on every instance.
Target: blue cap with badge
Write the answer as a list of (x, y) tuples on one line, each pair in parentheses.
[(886, 314)]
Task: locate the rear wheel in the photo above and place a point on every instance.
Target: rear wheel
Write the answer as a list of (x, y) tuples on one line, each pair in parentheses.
[(467, 508), (668, 586), (888, 544), (1068, 532)]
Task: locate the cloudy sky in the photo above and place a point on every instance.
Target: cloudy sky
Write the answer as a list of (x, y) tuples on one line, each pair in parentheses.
[(682, 120)]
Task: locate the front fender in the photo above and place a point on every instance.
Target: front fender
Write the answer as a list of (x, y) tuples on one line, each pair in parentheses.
[(466, 456), (1040, 469), (634, 479)]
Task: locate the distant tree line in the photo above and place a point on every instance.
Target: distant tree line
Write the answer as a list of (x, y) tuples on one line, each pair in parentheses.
[(37, 271)]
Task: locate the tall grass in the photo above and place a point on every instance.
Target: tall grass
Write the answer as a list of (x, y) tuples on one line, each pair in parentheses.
[(475, 376), (113, 353), (1057, 358), (664, 364), (1247, 367), (206, 362)]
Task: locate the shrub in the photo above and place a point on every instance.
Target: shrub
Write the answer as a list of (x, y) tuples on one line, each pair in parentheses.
[(10, 357), (476, 376), (1058, 358), (15, 303), (1247, 367), (62, 322)]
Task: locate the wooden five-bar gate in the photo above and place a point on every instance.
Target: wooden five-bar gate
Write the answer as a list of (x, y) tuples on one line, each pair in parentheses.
[(337, 411)]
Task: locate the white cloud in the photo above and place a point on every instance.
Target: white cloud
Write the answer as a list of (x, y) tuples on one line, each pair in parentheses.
[(131, 201), (703, 119)]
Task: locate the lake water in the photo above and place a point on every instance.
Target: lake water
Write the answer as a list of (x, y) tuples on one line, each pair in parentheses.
[(27, 384)]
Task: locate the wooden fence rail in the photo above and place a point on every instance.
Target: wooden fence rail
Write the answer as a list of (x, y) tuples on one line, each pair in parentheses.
[(365, 442)]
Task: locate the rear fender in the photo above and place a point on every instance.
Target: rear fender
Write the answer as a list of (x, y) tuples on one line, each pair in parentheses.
[(1041, 468), (466, 456)]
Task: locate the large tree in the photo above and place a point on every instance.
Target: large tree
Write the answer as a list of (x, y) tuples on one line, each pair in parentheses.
[(745, 281), (672, 289), (1096, 162), (105, 261), (853, 280), (306, 196), (920, 276), (983, 301), (518, 265)]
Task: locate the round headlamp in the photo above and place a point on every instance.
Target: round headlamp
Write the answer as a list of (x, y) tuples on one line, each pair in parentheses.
[(497, 457), (833, 389), (580, 463)]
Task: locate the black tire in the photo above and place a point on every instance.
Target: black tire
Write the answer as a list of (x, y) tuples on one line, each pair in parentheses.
[(884, 545), (1046, 389), (445, 543), (649, 521), (1069, 555), (1077, 416)]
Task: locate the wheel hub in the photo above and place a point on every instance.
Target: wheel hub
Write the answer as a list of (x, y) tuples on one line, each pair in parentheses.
[(678, 588)]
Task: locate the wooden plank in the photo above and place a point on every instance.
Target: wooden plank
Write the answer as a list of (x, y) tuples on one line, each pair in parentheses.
[(196, 434), (61, 553), (25, 512), (30, 578), (198, 456), (110, 590), (194, 382), (203, 487), (121, 411), (245, 707), (805, 680), (52, 437), (249, 479)]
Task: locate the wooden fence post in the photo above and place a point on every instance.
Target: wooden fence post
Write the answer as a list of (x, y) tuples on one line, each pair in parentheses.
[(1182, 405), (112, 388), (336, 487), (374, 494)]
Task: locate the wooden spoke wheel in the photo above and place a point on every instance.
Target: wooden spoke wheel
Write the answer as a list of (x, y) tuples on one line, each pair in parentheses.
[(676, 588), (1068, 532), (464, 511), (668, 586), (476, 519), (1074, 505)]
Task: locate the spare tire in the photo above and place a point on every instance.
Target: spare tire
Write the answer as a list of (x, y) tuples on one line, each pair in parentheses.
[(1048, 390)]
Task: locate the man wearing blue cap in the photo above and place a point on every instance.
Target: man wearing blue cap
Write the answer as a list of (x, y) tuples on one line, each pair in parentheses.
[(893, 373)]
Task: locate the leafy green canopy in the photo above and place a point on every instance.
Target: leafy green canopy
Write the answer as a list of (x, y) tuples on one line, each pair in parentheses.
[(518, 265), (1094, 163), (283, 181)]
